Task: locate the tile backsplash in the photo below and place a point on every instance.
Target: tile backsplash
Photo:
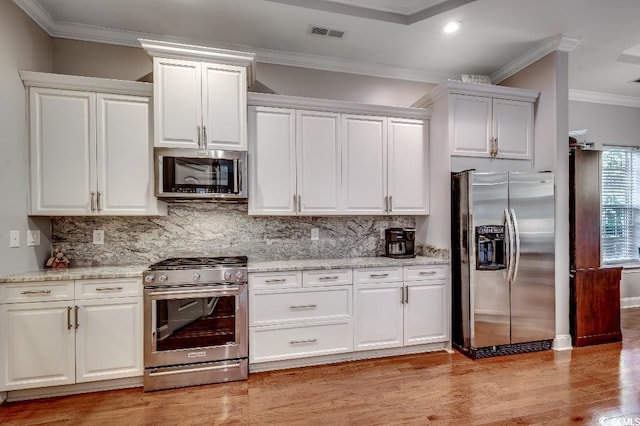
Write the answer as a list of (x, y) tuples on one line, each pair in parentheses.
[(217, 229)]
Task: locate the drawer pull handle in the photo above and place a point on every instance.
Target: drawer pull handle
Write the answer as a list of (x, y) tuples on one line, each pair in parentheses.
[(428, 273), (109, 289), (331, 278), (378, 275), (297, 342), (33, 292), (302, 306), (278, 280)]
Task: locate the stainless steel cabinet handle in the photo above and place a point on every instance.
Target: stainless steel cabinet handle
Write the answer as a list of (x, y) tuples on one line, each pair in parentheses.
[(109, 289), (295, 202), (204, 137), (386, 203), (77, 324), (390, 203), (276, 280), (406, 295), (93, 201), (428, 272), (402, 295), (331, 278), (297, 342), (68, 317), (299, 203), (33, 292), (378, 275), (199, 137), (98, 201), (302, 306), (494, 147)]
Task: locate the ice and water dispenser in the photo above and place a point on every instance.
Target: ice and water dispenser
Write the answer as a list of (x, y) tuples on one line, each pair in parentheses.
[(490, 247)]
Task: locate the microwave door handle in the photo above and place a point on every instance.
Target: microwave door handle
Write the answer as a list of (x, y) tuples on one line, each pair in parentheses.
[(516, 253)]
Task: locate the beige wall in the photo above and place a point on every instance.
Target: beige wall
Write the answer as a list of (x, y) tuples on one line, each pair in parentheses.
[(550, 75), (23, 46), (100, 60)]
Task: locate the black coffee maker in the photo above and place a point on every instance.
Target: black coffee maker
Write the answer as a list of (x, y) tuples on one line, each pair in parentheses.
[(400, 242)]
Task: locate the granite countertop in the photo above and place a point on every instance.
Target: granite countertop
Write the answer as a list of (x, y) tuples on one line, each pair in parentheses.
[(355, 262), (135, 271), (81, 273)]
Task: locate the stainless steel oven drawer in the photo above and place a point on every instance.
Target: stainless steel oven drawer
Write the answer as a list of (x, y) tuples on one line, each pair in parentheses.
[(195, 374)]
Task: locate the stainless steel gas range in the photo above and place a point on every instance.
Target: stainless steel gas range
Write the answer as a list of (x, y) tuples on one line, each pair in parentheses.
[(195, 322)]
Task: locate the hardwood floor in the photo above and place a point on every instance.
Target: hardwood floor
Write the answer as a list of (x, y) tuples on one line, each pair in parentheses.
[(551, 388)]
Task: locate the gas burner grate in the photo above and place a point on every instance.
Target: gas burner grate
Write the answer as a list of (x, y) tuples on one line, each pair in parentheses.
[(200, 263)]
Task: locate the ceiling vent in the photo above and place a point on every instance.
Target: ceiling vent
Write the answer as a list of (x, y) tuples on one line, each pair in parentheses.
[(326, 32)]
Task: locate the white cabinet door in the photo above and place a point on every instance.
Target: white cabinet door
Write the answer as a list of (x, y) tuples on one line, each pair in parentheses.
[(124, 166), (513, 128), (408, 167), (224, 106), (109, 339), (378, 316), (471, 129), (364, 164), (318, 162), (426, 313), (62, 151), (178, 103), (36, 345), (272, 161)]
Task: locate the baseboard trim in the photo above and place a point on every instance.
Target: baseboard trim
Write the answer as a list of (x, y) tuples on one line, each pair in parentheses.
[(350, 356), (562, 342), (3, 397), (629, 302), (52, 391)]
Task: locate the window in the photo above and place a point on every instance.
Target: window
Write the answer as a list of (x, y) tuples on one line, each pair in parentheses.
[(620, 172)]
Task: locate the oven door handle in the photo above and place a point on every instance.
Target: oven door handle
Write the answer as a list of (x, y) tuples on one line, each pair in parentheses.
[(210, 292)]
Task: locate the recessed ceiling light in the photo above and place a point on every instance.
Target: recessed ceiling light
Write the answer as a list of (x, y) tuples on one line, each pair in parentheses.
[(451, 27)]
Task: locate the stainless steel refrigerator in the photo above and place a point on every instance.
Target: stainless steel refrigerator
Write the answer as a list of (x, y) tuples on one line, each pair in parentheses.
[(503, 262)]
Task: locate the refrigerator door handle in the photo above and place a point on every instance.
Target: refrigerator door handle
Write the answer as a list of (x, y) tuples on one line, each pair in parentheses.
[(510, 262), (516, 256)]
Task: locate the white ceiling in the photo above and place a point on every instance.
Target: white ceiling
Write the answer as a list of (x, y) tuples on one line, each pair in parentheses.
[(392, 38)]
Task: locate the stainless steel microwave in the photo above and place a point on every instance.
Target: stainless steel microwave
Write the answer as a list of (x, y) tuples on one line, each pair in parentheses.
[(200, 174)]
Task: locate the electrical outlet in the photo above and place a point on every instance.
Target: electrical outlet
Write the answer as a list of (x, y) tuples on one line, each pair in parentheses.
[(33, 237), (14, 239), (98, 236), (315, 234)]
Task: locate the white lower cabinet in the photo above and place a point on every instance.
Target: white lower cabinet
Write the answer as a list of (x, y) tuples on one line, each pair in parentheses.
[(299, 317), (398, 310), (50, 342)]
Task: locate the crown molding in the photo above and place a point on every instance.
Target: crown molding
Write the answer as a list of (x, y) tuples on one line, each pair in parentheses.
[(560, 43), (603, 98), (40, 16), (72, 82), (477, 89), (282, 101)]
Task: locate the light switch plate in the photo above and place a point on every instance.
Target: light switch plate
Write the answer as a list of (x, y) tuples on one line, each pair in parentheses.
[(14, 239), (33, 237), (315, 234), (98, 236)]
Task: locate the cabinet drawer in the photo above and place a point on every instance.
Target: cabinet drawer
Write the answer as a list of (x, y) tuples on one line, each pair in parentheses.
[(277, 343), (327, 277), (275, 280), (269, 308), (108, 288), (40, 291), (430, 272), (372, 275)]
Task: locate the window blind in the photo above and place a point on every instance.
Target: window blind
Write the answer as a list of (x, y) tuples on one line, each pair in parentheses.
[(619, 204)]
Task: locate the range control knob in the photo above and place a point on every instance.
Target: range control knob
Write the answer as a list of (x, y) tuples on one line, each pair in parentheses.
[(148, 278), (162, 278), (227, 275), (196, 276), (239, 275)]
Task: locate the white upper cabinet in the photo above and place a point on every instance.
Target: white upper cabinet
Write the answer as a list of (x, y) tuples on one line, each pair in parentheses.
[(320, 158), (365, 171), (200, 96), (485, 121), (90, 151)]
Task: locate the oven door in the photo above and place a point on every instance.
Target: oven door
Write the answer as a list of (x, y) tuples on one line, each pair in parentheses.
[(194, 324)]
